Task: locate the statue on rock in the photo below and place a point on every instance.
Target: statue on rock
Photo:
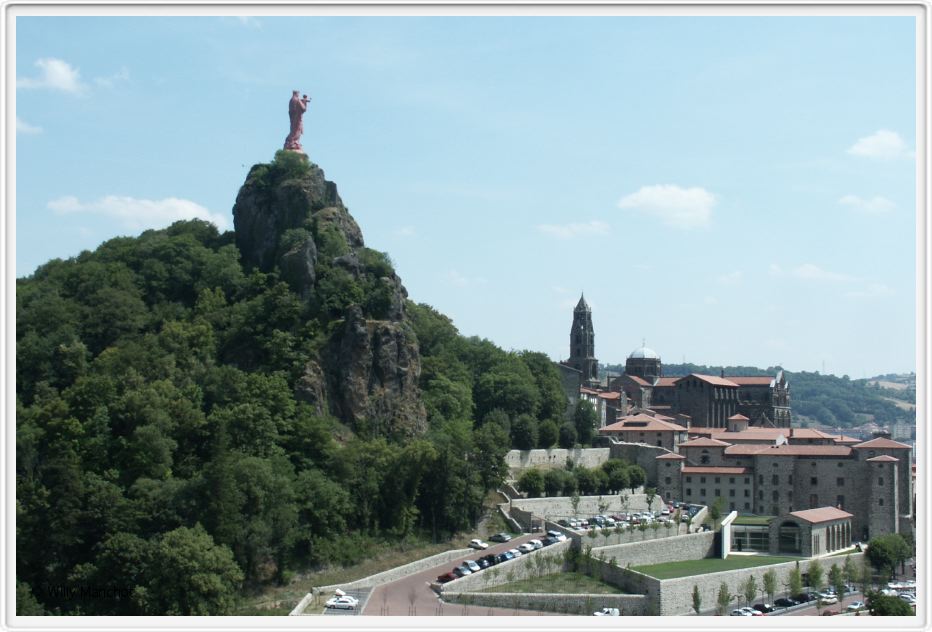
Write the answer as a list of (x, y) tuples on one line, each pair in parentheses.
[(296, 109)]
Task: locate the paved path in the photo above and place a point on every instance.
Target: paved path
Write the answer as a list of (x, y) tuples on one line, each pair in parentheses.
[(412, 596), (362, 594)]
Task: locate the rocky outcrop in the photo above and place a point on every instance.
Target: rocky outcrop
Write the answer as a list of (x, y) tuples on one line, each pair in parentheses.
[(290, 219)]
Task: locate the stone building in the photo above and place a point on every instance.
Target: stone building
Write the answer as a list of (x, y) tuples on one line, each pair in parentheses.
[(869, 479), (646, 429), (582, 343), (811, 532)]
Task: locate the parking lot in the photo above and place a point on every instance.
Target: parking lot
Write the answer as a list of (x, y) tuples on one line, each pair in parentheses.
[(362, 594)]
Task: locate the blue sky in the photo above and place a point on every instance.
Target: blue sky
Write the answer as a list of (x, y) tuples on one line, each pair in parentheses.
[(732, 190)]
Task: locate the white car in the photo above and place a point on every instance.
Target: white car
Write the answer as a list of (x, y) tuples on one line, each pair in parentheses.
[(558, 535), (827, 599), (515, 552), (473, 566), (607, 612), (741, 612), (478, 544), (344, 602), (527, 547), (856, 606), (537, 544)]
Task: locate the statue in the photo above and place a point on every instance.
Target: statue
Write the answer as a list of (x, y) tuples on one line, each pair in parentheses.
[(296, 109)]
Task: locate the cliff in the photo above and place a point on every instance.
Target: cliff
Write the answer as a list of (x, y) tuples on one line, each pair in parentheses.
[(289, 219)]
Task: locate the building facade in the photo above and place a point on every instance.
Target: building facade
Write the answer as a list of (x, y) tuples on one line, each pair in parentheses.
[(582, 343)]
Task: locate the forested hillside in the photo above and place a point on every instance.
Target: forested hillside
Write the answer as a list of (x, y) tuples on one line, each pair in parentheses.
[(825, 400), (193, 423)]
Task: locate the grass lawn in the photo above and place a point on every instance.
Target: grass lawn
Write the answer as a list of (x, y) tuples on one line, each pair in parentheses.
[(565, 583), (671, 570), (757, 520)]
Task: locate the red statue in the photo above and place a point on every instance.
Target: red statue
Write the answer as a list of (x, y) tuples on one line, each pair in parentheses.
[(296, 109)]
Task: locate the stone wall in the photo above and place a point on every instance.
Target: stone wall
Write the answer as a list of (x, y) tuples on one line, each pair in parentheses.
[(640, 454), (522, 567), (582, 604), (520, 460), (559, 507), (694, 546), (676, 594)]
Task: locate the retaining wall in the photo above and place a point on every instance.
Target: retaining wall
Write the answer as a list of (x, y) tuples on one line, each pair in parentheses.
[(582, 604), (523, 567), (558, 507), (520, 460), (676, 595), (629, 536), (694, 546)]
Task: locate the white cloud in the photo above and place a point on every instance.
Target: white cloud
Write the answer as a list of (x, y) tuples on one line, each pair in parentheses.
[(112, 80), (405, 231), (673, 205), (22, 127), (876, 205), (882, 144), (55, 74), (569, 231), (812, 272), (732, 278), (137, 214), (460, 280), (873, 290)]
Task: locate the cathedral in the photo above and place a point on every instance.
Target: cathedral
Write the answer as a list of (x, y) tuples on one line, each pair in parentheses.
[(696, 399)]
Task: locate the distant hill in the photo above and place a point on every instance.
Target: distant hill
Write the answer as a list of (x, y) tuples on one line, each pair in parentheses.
[(827, 400)]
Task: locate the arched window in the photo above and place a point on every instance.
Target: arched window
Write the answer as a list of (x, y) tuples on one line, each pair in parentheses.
[(789, 538)]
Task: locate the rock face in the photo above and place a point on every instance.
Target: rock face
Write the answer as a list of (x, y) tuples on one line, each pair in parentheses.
[(288, 218)]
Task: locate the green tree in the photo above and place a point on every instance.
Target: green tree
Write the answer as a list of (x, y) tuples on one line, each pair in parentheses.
[(749, 589), (885, 552), (490, 447), (26, 603), (636, 477), (651, 494), (567, 437), (724, 599), (524, 432), (850, 571), (586, 421), (715, 511), (795, 580), (770, 584), (190, 574), (881, 605), (816, 575), (531, 482), (697, 599), (553, 482), (866, 575), (836, 579), (547, 433)]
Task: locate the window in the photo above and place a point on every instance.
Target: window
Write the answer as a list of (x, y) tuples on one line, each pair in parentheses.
[(718, 492), (880, 501), (813, 501), (689, 492), (731, 492), (689, 479), (880, 481), (791, 479), (840, 481), (718, 479), (760, 494), (813, 480), (747, 506), (666, 480), (776, 479), (702, 479), (702, 491), (813, 464), (747, 480), (776, 495), (775, 510), (747, 493), (840, 464), (760, 479), (731, 480)]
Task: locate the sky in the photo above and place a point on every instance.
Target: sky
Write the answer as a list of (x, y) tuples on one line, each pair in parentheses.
[(733, 191)]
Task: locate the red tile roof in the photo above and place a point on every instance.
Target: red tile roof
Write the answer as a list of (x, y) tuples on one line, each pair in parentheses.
[(738, 417), (670, 456), (711, 379), (666, 381), (883, 458), (822, 514), (609, 395), (846, 440), (638, 380), (704, 442), (882, 443), (702, 430), (705, 469), (641, 423), (751, 380), (749, 449)]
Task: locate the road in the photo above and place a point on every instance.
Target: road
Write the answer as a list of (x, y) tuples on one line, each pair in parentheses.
[(412, 596)]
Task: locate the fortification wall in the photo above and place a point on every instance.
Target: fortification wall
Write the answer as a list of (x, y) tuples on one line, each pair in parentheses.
[(584, 604), (520, 460)]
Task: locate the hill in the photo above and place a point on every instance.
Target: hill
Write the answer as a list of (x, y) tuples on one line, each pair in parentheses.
[(825, 400), (201, 414)]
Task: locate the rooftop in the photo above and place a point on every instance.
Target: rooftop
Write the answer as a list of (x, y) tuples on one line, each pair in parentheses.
[(703, 442), (711, 379), (705, 469), (822, 514), (883, 444), (644, 352), (787, 449), (642, 423), (670, 456), (883, 458), (753, 380)]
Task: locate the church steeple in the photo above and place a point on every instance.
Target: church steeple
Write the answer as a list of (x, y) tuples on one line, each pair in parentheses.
[(582, 342)]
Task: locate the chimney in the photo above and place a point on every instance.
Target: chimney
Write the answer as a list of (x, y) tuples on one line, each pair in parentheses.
[(723, 372)]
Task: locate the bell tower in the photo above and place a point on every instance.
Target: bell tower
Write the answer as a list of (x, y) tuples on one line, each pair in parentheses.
[(582, 343)]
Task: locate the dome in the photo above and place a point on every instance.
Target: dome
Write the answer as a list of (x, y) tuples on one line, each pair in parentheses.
[(644, 352)]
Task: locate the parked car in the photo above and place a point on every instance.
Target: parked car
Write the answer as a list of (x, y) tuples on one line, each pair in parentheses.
[(446, 577), (515, 552), (785, 602), (527, 547), (804, 597), (345, 602), (556, 534), (549, 540), (478, 544), (488, 559), (830, 613), (500, 537), (856, 606), (563, 523), (739, 612), (472, 565), (764, 607), (537, 544), (501, 557), (509, 555), (607, 612), (828, 600), (908, 598)]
